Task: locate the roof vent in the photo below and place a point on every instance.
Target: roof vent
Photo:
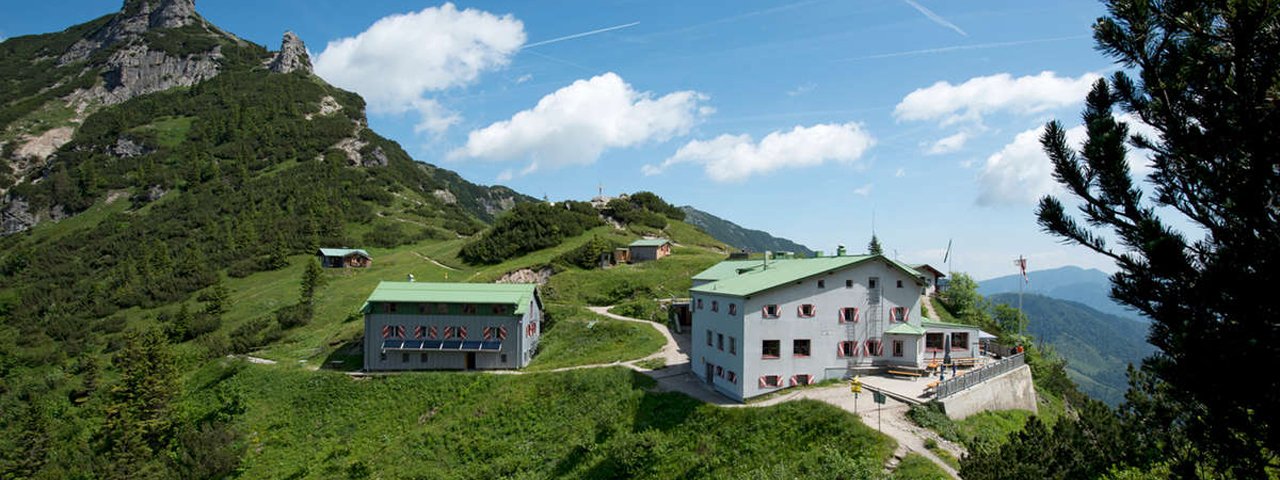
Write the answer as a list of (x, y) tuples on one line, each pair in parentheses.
[(839, 250), (410, 278)]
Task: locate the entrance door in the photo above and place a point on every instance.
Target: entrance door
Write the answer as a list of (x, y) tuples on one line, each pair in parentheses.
[(711, 371), (471, 360)]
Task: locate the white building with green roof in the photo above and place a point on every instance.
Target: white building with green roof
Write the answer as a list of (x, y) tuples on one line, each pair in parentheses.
[(451, 326), (762, 326)]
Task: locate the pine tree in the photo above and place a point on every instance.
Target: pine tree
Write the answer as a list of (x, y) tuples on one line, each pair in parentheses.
[(312, 279), (139, 423), (1208, 73), (874, 247)]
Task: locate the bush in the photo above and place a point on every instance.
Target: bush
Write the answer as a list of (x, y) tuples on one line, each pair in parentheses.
[(588, 255), (526, 228), (292, 316), (250, 335)]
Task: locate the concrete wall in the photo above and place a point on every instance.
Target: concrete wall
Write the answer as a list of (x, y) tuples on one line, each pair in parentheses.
[(824, 331), (518, 348), (1010, 391)]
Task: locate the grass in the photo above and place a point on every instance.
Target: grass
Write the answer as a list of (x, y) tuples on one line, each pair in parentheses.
[(915, 466), (652, 363), (579, 337), (989, 426), (596, 423), (169, 132), (646, 281)]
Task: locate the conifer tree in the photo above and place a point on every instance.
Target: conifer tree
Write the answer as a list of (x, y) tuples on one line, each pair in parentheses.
[(139, 418), (1207, 78), (874, 247)]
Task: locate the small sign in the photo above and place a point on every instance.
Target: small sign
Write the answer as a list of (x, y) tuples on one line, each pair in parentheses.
[(855, 385), (878, 397)]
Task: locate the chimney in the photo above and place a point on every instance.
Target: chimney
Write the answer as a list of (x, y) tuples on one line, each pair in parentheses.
[(839, 250)]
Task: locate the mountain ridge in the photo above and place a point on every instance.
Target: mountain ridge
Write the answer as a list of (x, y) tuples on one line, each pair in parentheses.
[(1091, 287), (740, 237)]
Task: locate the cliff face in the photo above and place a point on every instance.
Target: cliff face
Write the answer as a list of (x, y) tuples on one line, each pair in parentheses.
[(137, 17)]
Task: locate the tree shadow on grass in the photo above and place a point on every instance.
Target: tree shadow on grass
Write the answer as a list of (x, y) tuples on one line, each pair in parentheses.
[(348, 357)]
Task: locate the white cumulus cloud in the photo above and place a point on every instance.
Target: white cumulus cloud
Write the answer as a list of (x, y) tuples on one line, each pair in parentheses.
[(402, 58), (730, 158), (1021, 173), (576, 124), (948, 144), (1002, 92)]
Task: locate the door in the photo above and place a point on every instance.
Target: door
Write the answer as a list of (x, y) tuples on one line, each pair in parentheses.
[(711, 371), (471, 360)]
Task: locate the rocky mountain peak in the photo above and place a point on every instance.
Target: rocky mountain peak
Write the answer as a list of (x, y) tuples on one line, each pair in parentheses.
[(292, 56), (162, 13)]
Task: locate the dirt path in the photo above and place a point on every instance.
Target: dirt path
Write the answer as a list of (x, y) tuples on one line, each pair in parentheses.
[(432, 260)]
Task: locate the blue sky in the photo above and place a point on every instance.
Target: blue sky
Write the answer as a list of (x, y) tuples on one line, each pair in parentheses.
[(801, 118)]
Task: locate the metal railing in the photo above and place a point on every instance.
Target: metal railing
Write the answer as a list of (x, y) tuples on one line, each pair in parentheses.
[(978, 375)]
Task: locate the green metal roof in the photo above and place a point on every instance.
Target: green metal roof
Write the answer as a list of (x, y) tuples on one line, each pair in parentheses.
[(934, 323), (905, 329), (649, 242), (749, 277), (517, 294), (726, 269), (342, 252)]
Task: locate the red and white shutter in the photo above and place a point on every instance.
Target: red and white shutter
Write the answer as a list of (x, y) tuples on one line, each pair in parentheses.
[(488, 333), (433, 332), (386, 331), (502, 333), (462, 332)]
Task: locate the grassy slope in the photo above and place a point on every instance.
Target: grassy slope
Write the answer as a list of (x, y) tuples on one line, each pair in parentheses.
[(598, 423), (916, 467)]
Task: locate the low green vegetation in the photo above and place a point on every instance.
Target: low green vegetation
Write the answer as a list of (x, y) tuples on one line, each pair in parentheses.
[(530, 227), (575, 336), (915, 466), (652, 363), (596, 423)]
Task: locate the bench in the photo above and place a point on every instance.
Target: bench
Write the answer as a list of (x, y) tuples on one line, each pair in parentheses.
[(907, 373)]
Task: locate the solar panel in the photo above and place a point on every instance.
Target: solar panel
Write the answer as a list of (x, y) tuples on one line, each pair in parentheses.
[(451, 345), (431, 345), (471, 345), (491, 346), (389, 344), (413, 345)]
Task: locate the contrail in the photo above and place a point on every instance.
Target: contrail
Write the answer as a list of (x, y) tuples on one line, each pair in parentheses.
[(935, 17), (976, 46), (580, 35)]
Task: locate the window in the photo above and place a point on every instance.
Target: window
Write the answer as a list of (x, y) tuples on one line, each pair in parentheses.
[(442, 308), (733, 346), (504, 358), (383, 356), (389, 307), (959, 341), (874, 348), (770, 311), (720, 341), (800, 348), (899, 283), (719, 371), (708, 338), (871, 283), (733, 309), (802, 379), (771, 348), (848, 284), (897, 348), (699, 304), (933, 342), (469, 308), (822, 284), (849, 315), (898, 314), (422, 358), (499, 309), (770, 381), (715, 306), (733, 377), (807, 310), (847, 349), (404, 358), (424, 308)]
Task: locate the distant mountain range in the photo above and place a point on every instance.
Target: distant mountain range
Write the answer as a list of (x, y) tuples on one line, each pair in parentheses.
[(1088, 286), (1097, 346), (739, 236)]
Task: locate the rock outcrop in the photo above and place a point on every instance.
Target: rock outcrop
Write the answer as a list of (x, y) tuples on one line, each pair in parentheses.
[(291, 57), (134, 19)]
